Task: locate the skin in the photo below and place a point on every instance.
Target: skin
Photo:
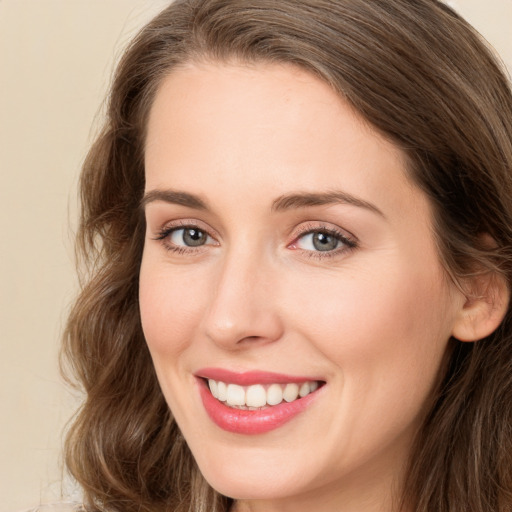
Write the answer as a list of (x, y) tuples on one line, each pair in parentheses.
[(372, 321)]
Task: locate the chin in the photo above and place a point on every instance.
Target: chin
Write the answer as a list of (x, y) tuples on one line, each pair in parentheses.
[(250, 488), (260, 481)]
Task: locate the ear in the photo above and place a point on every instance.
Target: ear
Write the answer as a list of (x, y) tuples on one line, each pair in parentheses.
[(484, 309)]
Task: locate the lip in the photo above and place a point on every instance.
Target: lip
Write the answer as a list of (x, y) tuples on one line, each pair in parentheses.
[(260, 421), (250, 377)]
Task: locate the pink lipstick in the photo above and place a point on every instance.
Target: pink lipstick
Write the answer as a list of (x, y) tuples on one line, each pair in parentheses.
[(278, 398)]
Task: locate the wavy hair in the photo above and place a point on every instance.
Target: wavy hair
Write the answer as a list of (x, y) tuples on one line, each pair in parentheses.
[(421, 76)]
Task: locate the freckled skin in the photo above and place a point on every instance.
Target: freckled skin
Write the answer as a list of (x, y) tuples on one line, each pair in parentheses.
[(372, 320)]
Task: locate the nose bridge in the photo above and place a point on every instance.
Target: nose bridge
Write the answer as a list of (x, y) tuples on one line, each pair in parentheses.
[(243, 306)]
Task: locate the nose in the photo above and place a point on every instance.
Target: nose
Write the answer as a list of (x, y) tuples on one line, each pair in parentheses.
[(243, 309)]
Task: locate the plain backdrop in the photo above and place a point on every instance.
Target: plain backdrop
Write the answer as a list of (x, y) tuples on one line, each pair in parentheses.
[(56, 61)]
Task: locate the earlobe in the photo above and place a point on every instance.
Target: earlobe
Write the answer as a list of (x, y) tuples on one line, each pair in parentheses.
[(484, 309)]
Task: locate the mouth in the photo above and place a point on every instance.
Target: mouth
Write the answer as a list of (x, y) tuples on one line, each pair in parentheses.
[(260, 396), (254, 402)]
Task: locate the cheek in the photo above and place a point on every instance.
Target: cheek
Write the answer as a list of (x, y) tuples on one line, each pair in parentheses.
[(171, 306), (385, 337), (386, 331)]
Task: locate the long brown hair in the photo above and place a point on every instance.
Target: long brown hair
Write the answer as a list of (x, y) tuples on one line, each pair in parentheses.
[(420, 75)]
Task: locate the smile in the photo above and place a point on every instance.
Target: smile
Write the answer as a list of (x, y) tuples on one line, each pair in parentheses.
[(259, 395), (254, 402)]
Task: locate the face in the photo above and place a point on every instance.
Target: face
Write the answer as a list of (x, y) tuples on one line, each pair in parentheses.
[(290, 261)]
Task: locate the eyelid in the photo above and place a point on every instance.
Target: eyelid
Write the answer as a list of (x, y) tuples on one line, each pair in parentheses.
[(163, 233), (314, 226), (348, 240), (187, 223)]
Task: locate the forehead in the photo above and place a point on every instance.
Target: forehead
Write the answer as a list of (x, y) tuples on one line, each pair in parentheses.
[(276, 127)]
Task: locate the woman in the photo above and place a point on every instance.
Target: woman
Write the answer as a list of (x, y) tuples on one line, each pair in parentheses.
[(297, 222)]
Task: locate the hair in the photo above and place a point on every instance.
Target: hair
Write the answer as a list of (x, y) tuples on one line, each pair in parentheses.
[(417, 73)]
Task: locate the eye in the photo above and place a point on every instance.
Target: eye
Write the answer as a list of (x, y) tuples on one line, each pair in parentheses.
[(184, 238), (323, 240), (188, 237), (319, 241)]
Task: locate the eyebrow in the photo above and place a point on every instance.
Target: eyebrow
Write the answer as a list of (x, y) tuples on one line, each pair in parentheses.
[(281, 204), (306, 199), (174, 197)]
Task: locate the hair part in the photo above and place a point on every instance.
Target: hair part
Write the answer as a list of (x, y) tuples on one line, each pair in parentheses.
[(417, 73)]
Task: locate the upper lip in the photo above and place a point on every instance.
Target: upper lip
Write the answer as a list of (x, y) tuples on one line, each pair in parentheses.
[(248, 378)]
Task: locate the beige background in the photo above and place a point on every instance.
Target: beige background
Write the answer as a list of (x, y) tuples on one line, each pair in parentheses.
[(56, 58)]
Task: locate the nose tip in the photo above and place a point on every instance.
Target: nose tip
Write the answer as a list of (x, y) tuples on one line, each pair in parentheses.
[(236, 333), (243, 309)]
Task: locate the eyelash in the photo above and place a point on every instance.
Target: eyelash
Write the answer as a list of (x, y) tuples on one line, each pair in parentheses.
[(349, 242), (165, 232)]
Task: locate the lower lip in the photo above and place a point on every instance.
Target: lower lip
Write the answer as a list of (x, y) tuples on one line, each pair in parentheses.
[(241, 421)]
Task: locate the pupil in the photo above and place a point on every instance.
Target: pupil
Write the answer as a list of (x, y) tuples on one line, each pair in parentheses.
[(324, 242), (194, 237)]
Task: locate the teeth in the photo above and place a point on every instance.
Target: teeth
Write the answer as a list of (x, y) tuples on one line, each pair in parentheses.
[(290, 392), (222, 391), (213, 388), (274, 394), (304, 390), (258, 395), (255, 396), (235, 395)]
